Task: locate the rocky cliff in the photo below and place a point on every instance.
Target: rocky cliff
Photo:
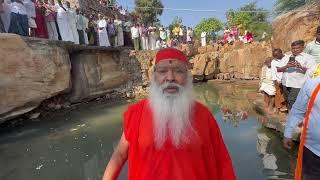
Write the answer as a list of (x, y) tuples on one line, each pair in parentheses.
[(295, 25), (35, 70), (30, 72), (243, 61)]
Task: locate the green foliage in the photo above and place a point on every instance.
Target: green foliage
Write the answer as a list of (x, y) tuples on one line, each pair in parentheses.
[(251, 18), (282, 6), (177, 21), (148, 10), (208, 25)]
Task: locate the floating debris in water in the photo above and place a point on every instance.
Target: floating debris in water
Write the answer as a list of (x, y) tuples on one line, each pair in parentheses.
[(39, 167), (74, 129)]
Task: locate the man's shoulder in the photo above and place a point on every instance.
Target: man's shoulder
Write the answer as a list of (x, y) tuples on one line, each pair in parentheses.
[(138, 104), (311, 43), (201, 107)]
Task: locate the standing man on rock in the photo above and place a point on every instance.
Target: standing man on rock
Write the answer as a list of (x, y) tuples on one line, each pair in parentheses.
[(296, 69), (313, 48), (276, 77), (170, 135)]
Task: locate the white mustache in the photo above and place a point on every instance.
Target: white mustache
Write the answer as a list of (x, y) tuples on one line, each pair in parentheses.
[(167, 84)]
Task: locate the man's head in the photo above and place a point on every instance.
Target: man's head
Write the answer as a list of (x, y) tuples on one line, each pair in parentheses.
[(297, 47), (99, 16), (268, 61), (171, 97), (318, 34), (277, 54), (68, 4), (78, 11)]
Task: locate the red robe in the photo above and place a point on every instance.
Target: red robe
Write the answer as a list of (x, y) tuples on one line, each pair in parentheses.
[(204, 158)]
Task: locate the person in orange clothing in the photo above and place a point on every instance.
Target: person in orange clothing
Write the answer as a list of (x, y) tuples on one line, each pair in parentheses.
[(169, 135)]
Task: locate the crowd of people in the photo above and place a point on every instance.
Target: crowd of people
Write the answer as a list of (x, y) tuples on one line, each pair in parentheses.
[(232, 35), (151, 38), (284, 75), (59, 21)]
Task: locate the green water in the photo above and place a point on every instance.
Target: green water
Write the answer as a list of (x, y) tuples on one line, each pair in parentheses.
[(77, 145)]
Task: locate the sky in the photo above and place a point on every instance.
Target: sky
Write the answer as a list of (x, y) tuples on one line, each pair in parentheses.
[(191, 18)]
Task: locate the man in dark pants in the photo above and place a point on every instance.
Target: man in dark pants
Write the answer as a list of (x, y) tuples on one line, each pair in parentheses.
[(296, 69)]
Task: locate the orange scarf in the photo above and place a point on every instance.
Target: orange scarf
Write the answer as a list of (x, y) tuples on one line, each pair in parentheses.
[(298, 171)]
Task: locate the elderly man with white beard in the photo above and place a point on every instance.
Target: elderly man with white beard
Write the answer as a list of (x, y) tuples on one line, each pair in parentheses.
[(170, 135)]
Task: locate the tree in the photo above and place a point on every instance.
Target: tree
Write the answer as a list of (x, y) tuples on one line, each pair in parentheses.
[(177, 21), (251, 18), (148, 10), (208, 25), (282, 6)]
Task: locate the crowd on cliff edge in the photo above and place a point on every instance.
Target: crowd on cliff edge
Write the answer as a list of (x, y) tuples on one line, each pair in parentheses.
[(57, 20)]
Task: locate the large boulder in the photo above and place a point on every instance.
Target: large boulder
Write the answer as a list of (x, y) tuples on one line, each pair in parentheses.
[(188, 49), (146, 60), (245, 62), (295, 25), (95, 74), (31, 71)]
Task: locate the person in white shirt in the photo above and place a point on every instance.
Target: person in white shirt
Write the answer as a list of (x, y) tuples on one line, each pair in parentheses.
[(152, 38), (5, 14), (2, 29), (118, 23), (313, 48), (203, 39), (73, 22), (86, 27), (135, 36), (19, 19), (280, 102), (163, 35), (31, 12), (80, 26), (267, 86), (102, 31), (296, 69), (63, 22)]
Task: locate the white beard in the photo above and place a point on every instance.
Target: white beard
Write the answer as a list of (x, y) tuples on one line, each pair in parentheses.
[(172, 113)]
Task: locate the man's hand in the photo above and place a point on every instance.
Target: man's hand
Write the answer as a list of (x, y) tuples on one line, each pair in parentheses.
[(287, 142), (289, 65), (276, 83)]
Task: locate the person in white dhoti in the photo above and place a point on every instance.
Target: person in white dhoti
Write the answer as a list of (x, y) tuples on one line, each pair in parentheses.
[(73, 22), (6, 14), (63, 23), (119, 26), (86, 27), (267, 86), (152, 38), (102, 32), (203, 39)]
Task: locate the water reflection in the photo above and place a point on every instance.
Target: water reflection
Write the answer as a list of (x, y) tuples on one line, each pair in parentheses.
[(78, 144)]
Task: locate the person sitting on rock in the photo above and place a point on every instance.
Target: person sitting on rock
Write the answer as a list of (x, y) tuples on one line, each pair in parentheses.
[(267, 86)]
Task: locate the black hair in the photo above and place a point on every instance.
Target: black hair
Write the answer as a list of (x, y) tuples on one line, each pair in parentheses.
[(297, 43), (277, 50)]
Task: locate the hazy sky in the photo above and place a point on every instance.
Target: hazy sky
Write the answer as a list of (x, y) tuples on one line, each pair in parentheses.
[(192, 18)]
